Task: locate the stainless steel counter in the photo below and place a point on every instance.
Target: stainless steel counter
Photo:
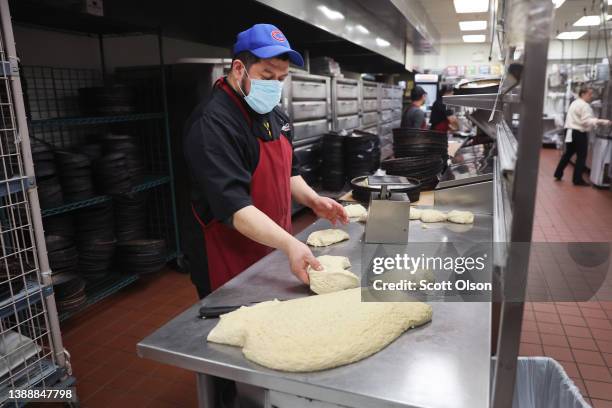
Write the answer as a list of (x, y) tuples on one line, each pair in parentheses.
[(445, 363)]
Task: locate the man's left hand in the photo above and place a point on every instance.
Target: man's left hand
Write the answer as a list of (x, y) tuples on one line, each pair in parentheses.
[(329, 209)]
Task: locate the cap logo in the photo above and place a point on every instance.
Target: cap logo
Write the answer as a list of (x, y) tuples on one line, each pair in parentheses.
[(278, 36)]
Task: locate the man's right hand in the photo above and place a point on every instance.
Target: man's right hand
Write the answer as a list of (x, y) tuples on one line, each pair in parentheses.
[(300, 257)]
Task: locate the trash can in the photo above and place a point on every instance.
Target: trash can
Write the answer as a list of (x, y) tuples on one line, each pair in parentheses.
[(541, 382)]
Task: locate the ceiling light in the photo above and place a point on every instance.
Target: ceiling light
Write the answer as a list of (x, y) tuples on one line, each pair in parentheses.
[(585, 21), (382, 42), (474, 38), (331, 14), (570, 35), (365, 30), (471, 6), (559, 3), (472, 25)]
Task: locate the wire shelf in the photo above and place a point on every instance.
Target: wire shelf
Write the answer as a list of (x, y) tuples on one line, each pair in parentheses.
[(44, 372), (12, 185), (96, 120), (33, 292), (149, 182), (98, 290)]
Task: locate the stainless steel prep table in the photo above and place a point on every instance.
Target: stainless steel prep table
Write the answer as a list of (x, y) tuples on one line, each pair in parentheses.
[(445, 363)]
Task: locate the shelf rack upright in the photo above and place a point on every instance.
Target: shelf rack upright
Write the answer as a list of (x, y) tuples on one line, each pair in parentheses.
[(55, 117), (30, 340)]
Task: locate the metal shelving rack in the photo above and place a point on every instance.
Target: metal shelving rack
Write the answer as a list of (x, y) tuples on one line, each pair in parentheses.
[(525, 28), (30, 339), (55, 117)]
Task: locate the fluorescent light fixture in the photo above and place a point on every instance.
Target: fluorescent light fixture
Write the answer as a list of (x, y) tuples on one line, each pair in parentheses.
[(570, 35), (381, 42), (474, 38), (471, 6), (559, 3), (473, 25), (365, 30), (331, 14), (585, 21)]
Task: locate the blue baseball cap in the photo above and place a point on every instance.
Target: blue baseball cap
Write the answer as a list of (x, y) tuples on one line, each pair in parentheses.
[(266, 41)]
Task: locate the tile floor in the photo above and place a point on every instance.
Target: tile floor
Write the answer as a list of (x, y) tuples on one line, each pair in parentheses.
[(102, 340), (578, 335)]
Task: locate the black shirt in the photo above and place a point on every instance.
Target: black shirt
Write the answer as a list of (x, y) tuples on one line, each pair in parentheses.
[(222, 153), (439, 113)]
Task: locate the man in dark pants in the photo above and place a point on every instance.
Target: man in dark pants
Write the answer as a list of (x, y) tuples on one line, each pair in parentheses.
[(580, 119)]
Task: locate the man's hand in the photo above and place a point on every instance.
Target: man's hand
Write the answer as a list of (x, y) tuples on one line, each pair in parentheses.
[(329, 209), (300, 257)]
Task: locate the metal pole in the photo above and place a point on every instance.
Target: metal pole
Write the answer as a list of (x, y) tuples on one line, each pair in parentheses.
[(102, 58), (160, 44), (41, 247), (524, 190)]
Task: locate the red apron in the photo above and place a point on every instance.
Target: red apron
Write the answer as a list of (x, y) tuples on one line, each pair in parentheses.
[(228, 251), (442, 126)]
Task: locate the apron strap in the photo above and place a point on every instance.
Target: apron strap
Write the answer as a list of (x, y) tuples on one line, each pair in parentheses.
[(222, 84)]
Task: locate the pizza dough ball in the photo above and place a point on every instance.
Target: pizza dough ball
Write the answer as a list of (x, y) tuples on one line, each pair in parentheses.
[(326, 237), (415, 213), (433, 216), (334, 262), (333, 277), (355, 210), (461, 217)]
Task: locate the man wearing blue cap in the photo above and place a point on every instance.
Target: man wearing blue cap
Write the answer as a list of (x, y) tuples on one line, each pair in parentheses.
[(238, 148)]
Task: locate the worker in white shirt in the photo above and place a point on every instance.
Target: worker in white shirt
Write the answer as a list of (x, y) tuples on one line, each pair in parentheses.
[(580, 119)]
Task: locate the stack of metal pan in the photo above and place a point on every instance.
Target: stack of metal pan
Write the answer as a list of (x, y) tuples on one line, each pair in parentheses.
[(70, 294), (76, 177), (91, 150), (333, 176), (107, 100), (125, 144), (130, 216), (419, 154), (417, 142), (424, 169), (111, 174), (361, 154), (49, 187), (142, 256), (61, 224), (62, 254), (95, 240)]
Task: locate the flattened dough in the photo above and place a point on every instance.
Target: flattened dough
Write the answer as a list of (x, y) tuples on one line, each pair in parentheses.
[(318, 332), (334, 276), (461, 217), (356, 211), (326, 237), (415, 213), (432, 216)]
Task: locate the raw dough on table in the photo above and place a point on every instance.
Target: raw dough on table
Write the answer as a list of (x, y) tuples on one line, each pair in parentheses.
[(334, 276), (356, 211), (461, 217), (317, 332), (432, 216), (334, 262), (415, 213), (363, 218), (326, 237)]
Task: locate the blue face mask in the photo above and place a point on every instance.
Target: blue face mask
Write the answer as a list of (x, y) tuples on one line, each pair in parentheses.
[(265, 94)]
